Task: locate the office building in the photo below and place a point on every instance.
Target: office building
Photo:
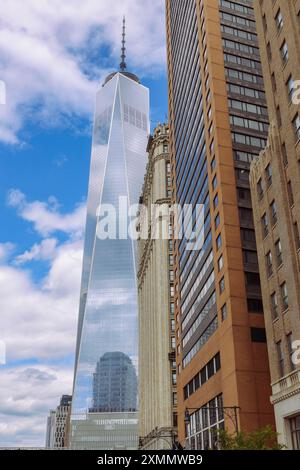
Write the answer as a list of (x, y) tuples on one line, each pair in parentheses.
[(108, 317), (218, 124), (157, 366), (275, 185), (57, 424)]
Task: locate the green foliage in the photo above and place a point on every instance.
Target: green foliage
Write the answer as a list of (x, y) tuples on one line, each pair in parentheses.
[(261, 439)]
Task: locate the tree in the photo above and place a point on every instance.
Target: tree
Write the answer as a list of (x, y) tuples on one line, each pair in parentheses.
[(261, 439)]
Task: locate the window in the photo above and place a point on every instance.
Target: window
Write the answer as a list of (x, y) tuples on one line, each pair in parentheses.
[(280, 358), (264, 225), (213, 164), (279, 20), (255, 305), (217, 221), (224, 312), (278, 115), (219, 242), (289, 339), (260, 189), (290, 85), (284, 296), (258, 335), (278, 250), (268, 172), (252, 279), (250, 257), (273, 210), (216, 201), (274, 306), (284, 52), (214, 182), (269, 263), (290, 193), (295, 432), (284, 155), (220, 263), (222, 285), (296, 124)]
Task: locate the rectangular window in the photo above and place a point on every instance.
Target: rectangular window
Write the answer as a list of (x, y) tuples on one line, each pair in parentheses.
[(273, 211), (295, 432), (284, 296), (274, 306), (278, 250), (269, 263), (264, 225), (284, 52), (280, 358), (279, 20), (258, 335)]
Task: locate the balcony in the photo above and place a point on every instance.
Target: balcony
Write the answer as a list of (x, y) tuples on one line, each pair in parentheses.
[(286, 387)]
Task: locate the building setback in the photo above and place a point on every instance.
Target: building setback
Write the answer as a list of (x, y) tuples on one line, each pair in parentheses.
[(275, 185), (157, 366), (218, 124)]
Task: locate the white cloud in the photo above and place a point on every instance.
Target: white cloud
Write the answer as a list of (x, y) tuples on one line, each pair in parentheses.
[(48, 50), (45, 251), (38, 320), (45, 216), (26, 395)]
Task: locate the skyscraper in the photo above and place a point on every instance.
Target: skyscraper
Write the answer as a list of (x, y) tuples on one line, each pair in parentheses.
[(107, 321), (57, 424), (114, 384), (275, 184), (218, 124), (157, 366)]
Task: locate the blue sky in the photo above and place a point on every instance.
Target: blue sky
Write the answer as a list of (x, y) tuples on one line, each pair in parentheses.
[(52, 58)]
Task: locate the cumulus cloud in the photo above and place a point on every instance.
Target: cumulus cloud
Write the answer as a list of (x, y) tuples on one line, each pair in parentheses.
[(26, 395), (38, 319), (44, 251), (45, 216), (50, 55)]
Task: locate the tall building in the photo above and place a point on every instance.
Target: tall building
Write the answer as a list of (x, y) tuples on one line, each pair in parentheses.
[(275, 185), (218, 124), (57, 424), (157, 366), (108, 321), (114, 384)]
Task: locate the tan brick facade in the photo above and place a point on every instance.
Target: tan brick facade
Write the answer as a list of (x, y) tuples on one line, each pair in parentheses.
[(275, 187)]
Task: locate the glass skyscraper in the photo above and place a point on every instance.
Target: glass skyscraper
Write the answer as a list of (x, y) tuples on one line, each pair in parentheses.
[(104, 409)]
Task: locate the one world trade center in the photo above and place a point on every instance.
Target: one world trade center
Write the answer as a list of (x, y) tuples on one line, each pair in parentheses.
[(104, 407)]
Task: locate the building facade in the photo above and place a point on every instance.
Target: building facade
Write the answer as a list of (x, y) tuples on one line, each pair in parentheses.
[(157, 366), (108, 314), (218, 124), (57, 424), (275, 185)]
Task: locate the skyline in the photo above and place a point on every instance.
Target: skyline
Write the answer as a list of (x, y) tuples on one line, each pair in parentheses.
[(42, 237)]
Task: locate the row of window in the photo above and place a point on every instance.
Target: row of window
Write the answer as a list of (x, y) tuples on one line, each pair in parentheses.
[(210, 330), (210, 369), (204, 312)]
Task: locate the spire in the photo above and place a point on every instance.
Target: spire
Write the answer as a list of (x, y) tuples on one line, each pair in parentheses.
[(123, 50)]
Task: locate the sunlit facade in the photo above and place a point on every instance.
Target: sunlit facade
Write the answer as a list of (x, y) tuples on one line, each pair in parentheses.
[(107, 337)]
